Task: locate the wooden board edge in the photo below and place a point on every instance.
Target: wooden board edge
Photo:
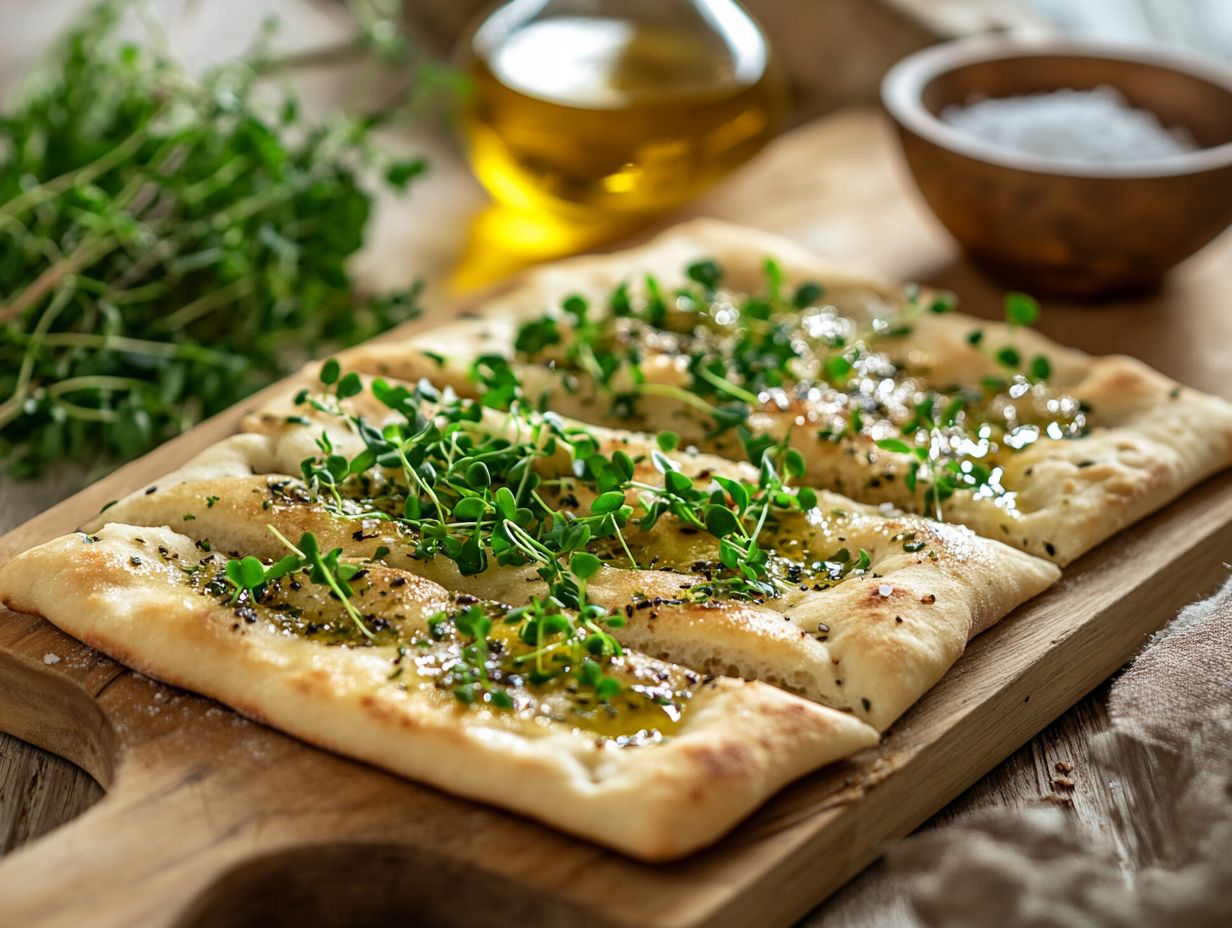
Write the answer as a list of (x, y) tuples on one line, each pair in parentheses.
[(1049, 632), (950, 768)]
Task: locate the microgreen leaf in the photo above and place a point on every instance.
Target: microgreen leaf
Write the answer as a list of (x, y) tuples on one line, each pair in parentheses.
[(793, 463), (807, 294), (506, 504), (943, 302), (478, 476), (246, 573), (1021, 309), (610, 501), (894, 444), (1009, 356), (399, 174), (473, 623), (738, 492), (584, 566), (837, 367), (706, 272), (721, 522), (349, 386)]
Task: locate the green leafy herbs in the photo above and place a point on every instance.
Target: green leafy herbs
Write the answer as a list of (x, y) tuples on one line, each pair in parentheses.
[(757, 354), (783, 348), (532, 491), (249, 575), (737, 514), (1020, 310), (469, 492), (539, 657), (167, 246), (740, 349), (535, 645), (910, 540)]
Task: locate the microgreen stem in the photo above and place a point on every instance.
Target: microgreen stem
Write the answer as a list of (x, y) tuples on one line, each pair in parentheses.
[(285, 541), (676, 393), (726, 386)]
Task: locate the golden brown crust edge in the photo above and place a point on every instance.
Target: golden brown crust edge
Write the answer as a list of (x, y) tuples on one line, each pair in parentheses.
[(743, 741)]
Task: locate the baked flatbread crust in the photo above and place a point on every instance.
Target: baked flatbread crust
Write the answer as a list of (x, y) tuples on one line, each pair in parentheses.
[(871, 645), (1151, 438), (862, 650), (123, 591)]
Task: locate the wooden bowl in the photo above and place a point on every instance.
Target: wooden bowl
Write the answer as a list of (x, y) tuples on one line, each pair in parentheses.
[(1055, 226)]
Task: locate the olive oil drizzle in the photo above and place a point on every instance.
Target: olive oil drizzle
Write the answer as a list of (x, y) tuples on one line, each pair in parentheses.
[(532, 663)]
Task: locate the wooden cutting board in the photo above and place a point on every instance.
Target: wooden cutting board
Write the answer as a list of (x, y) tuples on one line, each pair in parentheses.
[(213, 821)]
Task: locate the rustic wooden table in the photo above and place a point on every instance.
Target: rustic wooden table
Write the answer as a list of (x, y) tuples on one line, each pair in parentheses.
[(837, 186)]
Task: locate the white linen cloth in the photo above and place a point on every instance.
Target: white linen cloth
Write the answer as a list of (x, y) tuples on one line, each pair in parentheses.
[(1169, 748)]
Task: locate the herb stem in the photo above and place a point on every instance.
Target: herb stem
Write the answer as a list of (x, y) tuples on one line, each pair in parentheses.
[(676, 393), (203, 305), (145, 347), (726, 386), (286, 542), (86, 174)]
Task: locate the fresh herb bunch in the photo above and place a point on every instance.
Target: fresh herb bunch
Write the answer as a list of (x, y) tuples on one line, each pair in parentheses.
[(166, 247)]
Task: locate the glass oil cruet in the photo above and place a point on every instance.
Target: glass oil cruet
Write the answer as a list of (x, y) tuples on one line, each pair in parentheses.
[(612, 110)]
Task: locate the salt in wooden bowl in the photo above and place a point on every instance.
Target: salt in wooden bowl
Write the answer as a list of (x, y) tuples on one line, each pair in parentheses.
[(1061, 226)]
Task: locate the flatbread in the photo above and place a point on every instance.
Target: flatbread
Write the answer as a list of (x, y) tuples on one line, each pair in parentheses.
[(870, 645), (692, 750), (128, 592), (1141, 439)]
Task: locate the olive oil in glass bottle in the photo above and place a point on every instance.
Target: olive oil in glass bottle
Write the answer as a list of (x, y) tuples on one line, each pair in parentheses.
[(613, 109)]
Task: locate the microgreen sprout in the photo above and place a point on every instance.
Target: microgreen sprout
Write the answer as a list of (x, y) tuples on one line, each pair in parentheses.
[(471, 494), (249, 575), (553, 644)]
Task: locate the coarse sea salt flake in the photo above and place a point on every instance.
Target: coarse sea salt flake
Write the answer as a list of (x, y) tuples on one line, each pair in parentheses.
[(50, 658), (1087, 126), (885, 589)]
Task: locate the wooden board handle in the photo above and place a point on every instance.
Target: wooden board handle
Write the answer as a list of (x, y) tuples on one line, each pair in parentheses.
[(105, 719), (210, 820)]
